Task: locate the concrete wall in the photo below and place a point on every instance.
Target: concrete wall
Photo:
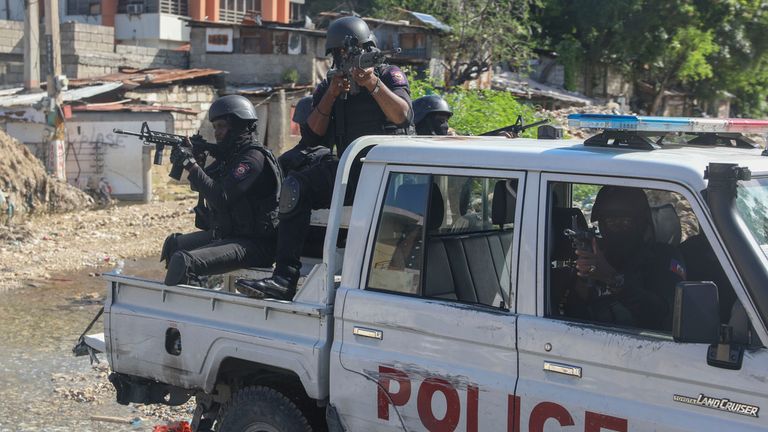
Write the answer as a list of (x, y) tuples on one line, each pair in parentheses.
[(151, 29), (89, 50), (255, 68), (12, 52), (197, 97)]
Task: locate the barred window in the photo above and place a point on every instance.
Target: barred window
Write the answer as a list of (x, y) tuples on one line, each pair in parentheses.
[(234, 10), (137, 6)]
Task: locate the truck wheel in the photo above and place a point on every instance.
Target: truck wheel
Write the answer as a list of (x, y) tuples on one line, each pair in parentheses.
[(261, 409)]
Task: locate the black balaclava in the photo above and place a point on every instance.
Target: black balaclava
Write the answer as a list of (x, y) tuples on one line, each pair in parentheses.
[(615, 201), (241, 133), (432, 125)]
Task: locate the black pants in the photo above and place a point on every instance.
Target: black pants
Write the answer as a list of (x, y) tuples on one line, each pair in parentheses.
[(199, 254), (315, 192)]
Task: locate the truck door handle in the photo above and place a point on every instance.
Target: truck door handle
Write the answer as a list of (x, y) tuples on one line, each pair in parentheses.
[(367, 332), (562, 369)]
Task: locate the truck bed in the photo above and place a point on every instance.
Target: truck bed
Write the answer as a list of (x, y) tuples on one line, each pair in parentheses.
[(180, 335)]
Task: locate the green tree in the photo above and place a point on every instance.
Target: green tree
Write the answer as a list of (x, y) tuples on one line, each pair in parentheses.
[(483, 32)]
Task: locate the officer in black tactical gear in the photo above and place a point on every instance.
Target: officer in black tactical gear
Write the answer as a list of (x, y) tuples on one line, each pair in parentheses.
[(627, 279), (430, 115), (237, 209), (338, 117)]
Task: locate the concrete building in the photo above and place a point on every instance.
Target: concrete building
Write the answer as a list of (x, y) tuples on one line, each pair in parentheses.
[(162, 23), (265, 54)]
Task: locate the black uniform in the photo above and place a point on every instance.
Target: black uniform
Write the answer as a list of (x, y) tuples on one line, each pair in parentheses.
[(238, 218), (647, 294), (312, 188)]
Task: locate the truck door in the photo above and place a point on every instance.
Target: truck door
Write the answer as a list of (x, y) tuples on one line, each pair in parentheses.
[(591, 360), (427, 341)]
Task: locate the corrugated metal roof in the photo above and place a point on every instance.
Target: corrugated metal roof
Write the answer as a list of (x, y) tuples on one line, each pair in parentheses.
[(125, 107), (28, 99), (136, 77)]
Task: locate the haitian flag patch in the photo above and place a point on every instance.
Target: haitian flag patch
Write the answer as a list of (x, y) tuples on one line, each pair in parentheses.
[(677, 268), (241, 171)]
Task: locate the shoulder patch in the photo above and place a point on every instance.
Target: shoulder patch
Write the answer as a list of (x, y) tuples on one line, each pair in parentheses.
[(677, 268), (241, 171), (397, 75)]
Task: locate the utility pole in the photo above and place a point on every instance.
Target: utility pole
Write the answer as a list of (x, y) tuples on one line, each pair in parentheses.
[(31, 46), (56, 150)]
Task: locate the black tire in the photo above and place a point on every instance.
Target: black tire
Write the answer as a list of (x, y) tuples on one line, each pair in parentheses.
[(261, 409)]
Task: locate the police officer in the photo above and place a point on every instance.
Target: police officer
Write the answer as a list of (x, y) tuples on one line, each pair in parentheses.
[(430, 115), (627, 279), (239, 192), (338, 117)]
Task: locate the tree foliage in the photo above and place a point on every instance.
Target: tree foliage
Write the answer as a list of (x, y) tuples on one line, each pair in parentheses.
[(704, 47), (479, 111), (484, 32)]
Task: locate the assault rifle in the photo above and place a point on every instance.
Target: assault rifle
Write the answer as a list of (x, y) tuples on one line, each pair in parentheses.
[(162, 139), (515, 129), (581, 238), (356, 57)]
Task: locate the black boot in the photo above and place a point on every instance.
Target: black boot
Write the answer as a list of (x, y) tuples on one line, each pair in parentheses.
[(277, 287)]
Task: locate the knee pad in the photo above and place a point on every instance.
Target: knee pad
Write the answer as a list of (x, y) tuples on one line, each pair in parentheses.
[(170, 245), (178, 269), (290, 197)]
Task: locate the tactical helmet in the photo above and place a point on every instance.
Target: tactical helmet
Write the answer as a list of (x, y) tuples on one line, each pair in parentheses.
[(346, 26), (429, 104), (621, 200), (235, 105), (302, 110)]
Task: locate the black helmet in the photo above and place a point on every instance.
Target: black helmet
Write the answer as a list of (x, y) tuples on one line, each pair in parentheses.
[(429, 104), (235, 105), (348, 26), (623, 201), (302, 110)]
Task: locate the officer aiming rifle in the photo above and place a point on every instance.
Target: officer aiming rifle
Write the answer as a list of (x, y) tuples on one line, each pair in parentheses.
[(581, 238), (354, 56), (163, 139), (514, 130)]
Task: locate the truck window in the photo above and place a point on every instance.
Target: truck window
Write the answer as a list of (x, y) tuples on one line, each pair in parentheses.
[(446, 237), (616, 253)]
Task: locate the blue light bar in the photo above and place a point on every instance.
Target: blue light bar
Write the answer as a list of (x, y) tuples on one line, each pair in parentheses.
[(666, 124)]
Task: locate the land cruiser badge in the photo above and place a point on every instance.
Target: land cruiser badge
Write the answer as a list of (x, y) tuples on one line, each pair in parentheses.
[(721, 404)]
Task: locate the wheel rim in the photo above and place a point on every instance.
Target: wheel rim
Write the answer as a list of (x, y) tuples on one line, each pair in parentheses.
[(261, 427)]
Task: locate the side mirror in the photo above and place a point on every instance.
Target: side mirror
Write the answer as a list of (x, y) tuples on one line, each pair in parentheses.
[(696, 316)]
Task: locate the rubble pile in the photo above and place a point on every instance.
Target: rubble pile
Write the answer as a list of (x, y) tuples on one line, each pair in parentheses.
[(25, 183)]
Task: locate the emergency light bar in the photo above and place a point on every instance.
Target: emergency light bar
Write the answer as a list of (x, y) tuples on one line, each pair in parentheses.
[(666, 124)]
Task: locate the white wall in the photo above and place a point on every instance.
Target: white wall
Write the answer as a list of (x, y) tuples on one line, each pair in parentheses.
[(150, 29)]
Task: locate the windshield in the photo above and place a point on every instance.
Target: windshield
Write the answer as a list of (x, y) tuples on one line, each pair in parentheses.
[(752, 205)]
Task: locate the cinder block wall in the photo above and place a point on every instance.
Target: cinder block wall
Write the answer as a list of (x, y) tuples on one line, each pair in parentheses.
[(12, 52), (197, 97), (87, 50)]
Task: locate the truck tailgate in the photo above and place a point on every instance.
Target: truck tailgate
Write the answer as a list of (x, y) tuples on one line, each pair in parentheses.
[(180, 335)]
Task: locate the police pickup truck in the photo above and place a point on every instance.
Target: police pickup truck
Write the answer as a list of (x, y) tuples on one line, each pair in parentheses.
[(453, 299)]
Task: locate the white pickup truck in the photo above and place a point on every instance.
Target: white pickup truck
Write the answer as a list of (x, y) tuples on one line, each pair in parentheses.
[(447, 307)]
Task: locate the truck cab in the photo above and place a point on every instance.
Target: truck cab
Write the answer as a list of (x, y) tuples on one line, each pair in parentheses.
[(450, 305)]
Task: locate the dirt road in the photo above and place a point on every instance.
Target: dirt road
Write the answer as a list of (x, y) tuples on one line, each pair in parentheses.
[(50, 290), (43, 246)]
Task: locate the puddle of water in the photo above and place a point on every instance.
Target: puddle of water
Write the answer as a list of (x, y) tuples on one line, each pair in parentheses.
[(39, 325)]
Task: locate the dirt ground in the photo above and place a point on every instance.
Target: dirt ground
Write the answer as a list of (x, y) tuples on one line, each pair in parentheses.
[(45, 245)]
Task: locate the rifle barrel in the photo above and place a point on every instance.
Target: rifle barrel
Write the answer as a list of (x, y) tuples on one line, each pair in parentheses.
[(125, 132)]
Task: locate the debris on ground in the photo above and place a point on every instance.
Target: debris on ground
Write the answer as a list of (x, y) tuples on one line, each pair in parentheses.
[(25, 183)]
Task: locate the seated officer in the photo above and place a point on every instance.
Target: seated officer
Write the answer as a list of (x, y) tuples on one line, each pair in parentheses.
[(627, 278), (379, 104), (430, 115), (237, 210)]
